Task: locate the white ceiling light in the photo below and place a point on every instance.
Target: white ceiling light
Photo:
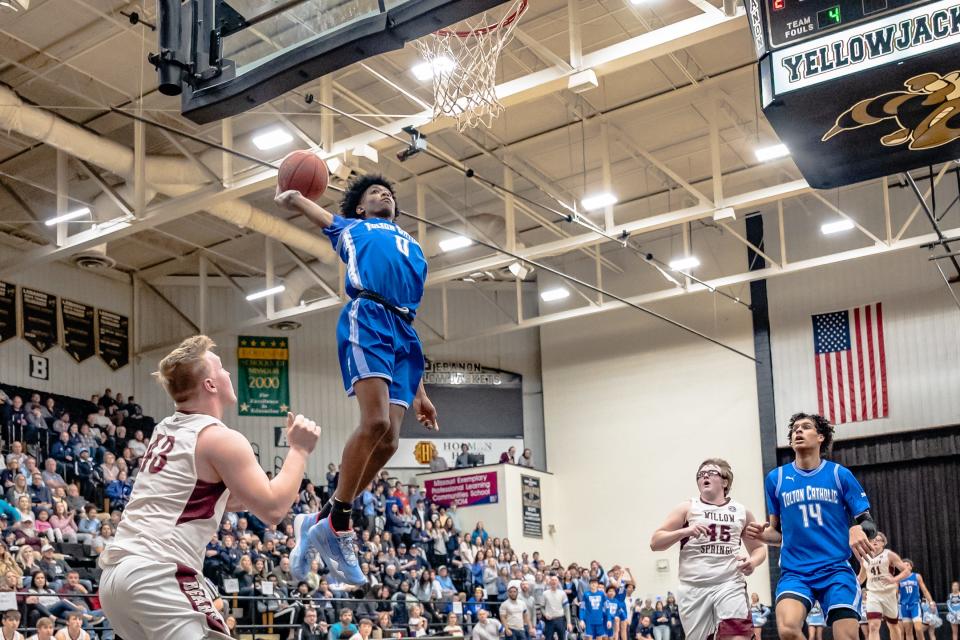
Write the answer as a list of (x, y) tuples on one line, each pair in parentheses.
[(437, 67), (272, 138), (366, 151), (772, 152), (79, 213), (267, 292), (454, 243), (599, 200), (837, 226), (15, 5), (558, 293), (684, 264)]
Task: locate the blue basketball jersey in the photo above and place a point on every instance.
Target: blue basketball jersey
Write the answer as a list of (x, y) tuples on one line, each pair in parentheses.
[(591, 609), (381, 258), (910, 591), (815, 509)]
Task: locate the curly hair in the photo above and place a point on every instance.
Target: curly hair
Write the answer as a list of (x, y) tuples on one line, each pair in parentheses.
[(824, 428), (355, 190)]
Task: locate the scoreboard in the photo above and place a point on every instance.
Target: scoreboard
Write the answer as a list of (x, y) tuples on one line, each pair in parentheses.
[(858, 89), (790, 21)]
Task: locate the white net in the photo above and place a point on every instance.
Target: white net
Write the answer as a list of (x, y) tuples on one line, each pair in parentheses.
[(463, 63)]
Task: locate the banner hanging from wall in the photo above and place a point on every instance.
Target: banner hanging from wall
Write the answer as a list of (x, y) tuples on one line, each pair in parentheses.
[(532, 509), (464, 491), (78, 329), (113, 339), (39, 319), (8, 311), (264, 376)]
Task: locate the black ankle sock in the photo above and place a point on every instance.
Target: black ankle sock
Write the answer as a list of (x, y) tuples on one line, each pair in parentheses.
[(325, 510), (340, 515)]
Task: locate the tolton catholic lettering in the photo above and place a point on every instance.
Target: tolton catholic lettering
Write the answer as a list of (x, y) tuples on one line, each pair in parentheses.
[(810, 494)]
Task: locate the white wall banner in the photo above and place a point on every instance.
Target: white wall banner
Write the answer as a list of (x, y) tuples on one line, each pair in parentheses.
[(416, 453)]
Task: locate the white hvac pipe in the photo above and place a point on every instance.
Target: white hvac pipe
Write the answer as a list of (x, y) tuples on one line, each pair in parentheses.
[(170, 175)]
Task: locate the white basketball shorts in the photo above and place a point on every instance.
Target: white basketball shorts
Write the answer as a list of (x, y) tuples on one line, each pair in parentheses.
[(150, 600), (717, 610)]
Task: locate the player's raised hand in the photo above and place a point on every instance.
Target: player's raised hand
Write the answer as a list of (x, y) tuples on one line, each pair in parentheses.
[(860, 544), (302, 433), (698, 531), (425, 411), (755, 530), (285, 199), (744, 565)]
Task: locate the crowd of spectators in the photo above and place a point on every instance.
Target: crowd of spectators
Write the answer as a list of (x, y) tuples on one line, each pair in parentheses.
[(64, 460), (69, 472), (428, 575)]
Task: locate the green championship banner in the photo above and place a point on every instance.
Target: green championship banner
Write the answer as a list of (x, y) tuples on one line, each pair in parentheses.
[(264, 376)]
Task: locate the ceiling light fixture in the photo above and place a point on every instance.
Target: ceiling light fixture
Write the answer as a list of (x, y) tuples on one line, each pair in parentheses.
[(72, 215), (684, 264), (437, 67), (772, 152), (454, 243), (551, 295), (829, 228), (272, 138), (599, 200), (267, 292)]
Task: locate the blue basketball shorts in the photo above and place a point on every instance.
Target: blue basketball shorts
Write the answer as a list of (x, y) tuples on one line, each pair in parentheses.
[(835, 587), (910, 611), (596, 630), (373, 342)]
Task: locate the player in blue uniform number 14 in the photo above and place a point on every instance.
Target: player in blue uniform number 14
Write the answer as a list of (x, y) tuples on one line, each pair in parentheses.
[(810, 503), (381, 359)]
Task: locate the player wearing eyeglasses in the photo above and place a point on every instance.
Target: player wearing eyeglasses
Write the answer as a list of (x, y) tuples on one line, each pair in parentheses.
[(713, 591)]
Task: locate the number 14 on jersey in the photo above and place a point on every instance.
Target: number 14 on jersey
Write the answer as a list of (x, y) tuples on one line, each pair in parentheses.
[(811, 512)]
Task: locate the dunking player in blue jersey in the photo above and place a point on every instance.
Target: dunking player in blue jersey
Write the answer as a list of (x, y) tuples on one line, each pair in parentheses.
[(380, 357), (810, 503)]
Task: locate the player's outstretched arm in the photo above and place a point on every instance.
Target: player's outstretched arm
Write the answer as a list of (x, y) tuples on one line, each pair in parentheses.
[(923, 589), (424, 410), (755, 548), (765, 532), (903, 569), (293, 200), (672, 530), (227, 454)]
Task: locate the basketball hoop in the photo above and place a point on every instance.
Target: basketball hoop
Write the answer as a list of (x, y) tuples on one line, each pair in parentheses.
[(463, 63)]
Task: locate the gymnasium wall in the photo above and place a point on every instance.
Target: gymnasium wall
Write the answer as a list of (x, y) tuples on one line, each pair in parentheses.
[(632, 406), (66, 375), (316, 388), (921, 325)]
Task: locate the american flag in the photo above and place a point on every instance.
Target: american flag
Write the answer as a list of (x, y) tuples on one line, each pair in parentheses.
[(851, 364)]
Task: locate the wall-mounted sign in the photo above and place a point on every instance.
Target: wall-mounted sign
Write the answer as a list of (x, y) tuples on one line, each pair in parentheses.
[(39, 319), (113, 339), (78, 330), (8, 311), (532, 507)]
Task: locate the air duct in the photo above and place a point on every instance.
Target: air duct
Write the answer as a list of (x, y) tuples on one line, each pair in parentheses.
[(170, 175)]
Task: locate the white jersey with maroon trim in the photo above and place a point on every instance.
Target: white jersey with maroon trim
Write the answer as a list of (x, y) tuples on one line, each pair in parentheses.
[(877, 569), (172, 514), (712, 559)]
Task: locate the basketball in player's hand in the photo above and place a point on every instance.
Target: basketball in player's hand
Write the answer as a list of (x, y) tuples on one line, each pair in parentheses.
[(305, 172)]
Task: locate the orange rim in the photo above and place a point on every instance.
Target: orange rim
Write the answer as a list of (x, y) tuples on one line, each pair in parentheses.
[(482, 31)]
